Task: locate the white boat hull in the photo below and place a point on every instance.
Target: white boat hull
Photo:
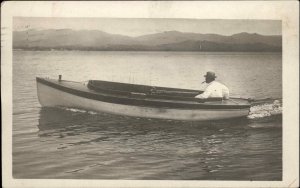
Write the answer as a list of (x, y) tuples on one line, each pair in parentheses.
[(51, 97)]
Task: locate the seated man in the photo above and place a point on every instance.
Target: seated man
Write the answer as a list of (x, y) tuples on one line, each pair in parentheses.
[(214, 88)]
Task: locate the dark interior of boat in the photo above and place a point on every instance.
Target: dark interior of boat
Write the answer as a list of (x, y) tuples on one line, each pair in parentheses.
[(143, 91)]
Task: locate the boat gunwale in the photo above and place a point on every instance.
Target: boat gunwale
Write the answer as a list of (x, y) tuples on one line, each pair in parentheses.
[(139, 101)]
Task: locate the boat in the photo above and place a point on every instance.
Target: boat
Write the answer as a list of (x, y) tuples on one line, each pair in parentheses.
[(137, 100)]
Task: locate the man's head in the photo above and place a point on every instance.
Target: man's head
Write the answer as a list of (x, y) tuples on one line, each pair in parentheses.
[(209, 77)]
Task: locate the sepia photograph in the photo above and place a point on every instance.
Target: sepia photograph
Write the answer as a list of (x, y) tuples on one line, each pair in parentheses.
[(147, 98)]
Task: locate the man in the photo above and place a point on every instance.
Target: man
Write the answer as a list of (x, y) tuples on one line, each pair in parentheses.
[(214, 88)]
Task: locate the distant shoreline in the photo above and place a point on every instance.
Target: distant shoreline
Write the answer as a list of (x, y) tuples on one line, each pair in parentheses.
[(83, 40), (232, 49), (57, 50)]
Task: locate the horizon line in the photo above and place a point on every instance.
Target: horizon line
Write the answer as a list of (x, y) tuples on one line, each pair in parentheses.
[(36, 29)]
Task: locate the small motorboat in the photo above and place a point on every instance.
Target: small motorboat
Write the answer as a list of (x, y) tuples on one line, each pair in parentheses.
[(137, 100)]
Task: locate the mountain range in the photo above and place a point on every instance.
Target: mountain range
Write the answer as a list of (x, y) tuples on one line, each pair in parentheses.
[(68, 39)]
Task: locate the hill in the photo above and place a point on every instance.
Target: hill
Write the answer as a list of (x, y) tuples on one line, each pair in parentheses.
[(67, 39)]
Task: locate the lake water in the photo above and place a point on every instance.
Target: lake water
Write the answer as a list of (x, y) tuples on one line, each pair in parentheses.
[(73, 143)]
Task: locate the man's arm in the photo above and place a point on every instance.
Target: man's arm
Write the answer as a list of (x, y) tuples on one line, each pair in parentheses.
[(205, 94)]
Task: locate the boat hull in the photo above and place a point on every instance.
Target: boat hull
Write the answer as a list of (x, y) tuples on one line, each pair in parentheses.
[(52, 97)]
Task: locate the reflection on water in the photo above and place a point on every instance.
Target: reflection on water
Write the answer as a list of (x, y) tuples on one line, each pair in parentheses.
[(139, 148)]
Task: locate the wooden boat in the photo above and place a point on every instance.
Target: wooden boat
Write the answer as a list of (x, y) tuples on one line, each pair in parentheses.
[(137, 100)]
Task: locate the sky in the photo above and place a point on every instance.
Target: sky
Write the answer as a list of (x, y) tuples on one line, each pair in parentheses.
[(142, 26)]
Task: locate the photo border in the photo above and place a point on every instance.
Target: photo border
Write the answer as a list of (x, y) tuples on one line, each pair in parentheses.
[(286, 11)]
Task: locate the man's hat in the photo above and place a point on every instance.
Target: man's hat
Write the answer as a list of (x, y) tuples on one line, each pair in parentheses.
[(210, 75)]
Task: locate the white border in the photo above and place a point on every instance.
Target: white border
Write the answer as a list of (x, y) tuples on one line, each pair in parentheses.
[(287, 11)]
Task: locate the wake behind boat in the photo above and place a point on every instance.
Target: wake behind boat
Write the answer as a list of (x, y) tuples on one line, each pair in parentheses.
[(138, 100)]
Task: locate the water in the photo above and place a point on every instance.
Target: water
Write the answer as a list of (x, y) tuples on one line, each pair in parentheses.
[(73, 143)]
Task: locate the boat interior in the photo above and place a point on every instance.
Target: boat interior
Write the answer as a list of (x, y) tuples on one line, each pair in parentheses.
[(143, 91)]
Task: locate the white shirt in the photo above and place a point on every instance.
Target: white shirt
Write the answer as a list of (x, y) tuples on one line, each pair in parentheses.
[(215, 89)]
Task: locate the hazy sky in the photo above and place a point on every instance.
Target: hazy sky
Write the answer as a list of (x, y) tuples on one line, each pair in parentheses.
[(137, 27)]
